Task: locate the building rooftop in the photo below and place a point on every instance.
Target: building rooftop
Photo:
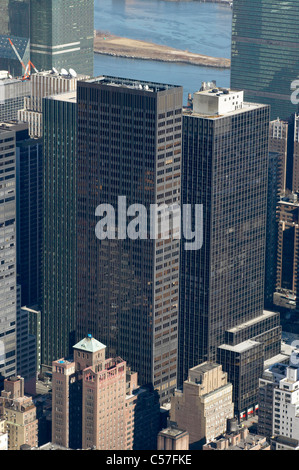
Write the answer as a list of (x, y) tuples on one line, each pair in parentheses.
[(173, 432), (266, 314), (241, 347), (70, 96), (131, 84), (205, 367), (89, 344)]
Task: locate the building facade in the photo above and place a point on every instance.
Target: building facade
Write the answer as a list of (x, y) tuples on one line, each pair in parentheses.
[(61, 34), (19, 413), (264, 59), (13, 91), (129, 146), (222, 284), (59, 265), (98, 404), (43, 85), (29, 155), (8, 261), (14, 25), (204, 405)]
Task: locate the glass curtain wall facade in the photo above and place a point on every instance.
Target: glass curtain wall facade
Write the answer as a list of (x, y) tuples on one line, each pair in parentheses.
[(62, 33), (129, 144), (265, 59), (59, 227), (14, 24), (29, 217), (224, 168), (8, 268)]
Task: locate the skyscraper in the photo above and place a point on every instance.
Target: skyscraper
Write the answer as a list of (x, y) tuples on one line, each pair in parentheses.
[(129, 144), (58, 300), (29, 214), (265, 58), (61, 34), (8, 267), (225, 156)]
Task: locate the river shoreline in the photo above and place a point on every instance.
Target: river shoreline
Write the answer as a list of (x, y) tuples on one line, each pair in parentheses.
[(106, 43)]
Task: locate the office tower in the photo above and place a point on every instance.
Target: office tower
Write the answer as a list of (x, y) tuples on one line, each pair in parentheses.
[(244, 364), (264, 58), (29, 217), (286, 285), (129, 145), (277, 172), (12, 94), (225, 165), (173, 438), (19, 414), (8, 268), (98, 404), (42, 85), (61, 34), (59, 265), (204, 405), (14, 25), (26, 348)]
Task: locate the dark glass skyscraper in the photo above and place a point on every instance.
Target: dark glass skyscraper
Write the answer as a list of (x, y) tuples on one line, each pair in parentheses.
[(59, 226), (129, 144), (225, 157), (265, 59), (29, 216), (61, 34)]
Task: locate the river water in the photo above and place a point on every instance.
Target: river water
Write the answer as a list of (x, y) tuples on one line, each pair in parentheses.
[(204, 28)]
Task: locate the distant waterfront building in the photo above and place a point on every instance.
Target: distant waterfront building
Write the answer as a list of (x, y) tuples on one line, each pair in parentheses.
[(264, 55), (59, 264), (12, 94), (173, 438), (62, 34), (14, 24), (129, 144), (97, 403), (204, 405), (19, 413), (8, 261), (225, 168)]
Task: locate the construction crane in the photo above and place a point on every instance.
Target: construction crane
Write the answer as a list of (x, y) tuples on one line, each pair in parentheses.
[(27, 70)]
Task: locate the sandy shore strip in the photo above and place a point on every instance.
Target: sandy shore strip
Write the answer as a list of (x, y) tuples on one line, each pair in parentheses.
[(109, 44)]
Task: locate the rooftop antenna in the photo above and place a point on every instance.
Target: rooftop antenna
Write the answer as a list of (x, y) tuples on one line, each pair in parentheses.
[(73, 73)]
